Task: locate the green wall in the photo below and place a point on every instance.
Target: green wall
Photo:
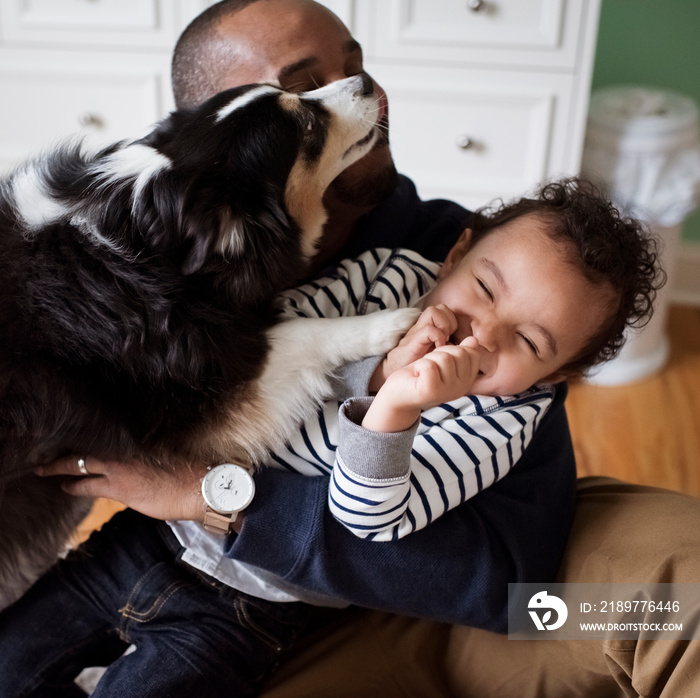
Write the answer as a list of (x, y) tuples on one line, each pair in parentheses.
[(654, 43)]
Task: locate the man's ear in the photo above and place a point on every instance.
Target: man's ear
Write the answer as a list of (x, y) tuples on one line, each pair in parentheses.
[(456, 254)]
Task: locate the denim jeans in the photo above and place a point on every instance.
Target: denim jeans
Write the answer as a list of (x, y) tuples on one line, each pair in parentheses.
[(194, 636)]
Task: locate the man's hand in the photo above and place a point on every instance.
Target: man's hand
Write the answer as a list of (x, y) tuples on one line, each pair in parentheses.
[(155, 493), (431, 331), (444, 374)]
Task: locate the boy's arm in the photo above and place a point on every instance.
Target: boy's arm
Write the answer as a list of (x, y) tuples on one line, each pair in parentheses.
[(456, 570), (340, 293), (377, 279), (385, 486), (386, 482)]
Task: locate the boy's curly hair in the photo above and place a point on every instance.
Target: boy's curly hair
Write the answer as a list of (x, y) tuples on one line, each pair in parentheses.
[(608, 248)]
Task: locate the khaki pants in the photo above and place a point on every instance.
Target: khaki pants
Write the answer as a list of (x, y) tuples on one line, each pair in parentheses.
[(621, 533)]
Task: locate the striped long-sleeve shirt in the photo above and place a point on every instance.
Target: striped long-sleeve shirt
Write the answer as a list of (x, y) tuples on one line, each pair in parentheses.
[(385, 486)]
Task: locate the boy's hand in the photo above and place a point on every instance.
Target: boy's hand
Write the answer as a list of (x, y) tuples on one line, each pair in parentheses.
[(432, 330), (444, 374)]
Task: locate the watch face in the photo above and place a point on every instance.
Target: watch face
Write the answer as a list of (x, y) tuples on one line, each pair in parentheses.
[(228, 488)]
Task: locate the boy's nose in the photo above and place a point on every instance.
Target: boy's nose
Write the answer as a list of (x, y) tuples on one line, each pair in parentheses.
[(486, 332)]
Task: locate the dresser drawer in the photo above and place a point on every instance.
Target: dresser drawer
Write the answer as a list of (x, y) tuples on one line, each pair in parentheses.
[(127, 23), (47, 96), (474, 136), (512, 33)]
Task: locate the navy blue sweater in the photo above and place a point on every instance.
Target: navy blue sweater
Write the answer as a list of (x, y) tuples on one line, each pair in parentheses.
[(458, 568)]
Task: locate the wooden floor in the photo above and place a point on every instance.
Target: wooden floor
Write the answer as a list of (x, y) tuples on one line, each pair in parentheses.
[(647, 432)]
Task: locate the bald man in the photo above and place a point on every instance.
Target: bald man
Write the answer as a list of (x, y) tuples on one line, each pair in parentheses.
[(620, 532)]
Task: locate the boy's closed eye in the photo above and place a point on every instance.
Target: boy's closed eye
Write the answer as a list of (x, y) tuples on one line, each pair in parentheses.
[(531, 345), (485, 288)]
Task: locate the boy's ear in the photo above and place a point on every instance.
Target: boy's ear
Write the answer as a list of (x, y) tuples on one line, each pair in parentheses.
[(560, 377), (456, 254)]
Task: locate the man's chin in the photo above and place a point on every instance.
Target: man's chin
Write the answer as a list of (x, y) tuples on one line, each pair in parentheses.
[(369, 181)]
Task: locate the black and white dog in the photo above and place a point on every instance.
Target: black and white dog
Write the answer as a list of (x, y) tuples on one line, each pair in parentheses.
[(137, 289)]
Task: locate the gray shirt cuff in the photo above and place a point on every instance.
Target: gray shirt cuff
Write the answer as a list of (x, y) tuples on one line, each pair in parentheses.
[(353, 379), (372, 454)]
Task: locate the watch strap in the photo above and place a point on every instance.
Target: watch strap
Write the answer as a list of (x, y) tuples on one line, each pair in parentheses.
[(214, 522)]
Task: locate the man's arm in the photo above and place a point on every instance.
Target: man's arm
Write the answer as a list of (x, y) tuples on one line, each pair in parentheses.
[(456, 570)]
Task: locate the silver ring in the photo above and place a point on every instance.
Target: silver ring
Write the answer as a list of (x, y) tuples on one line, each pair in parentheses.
[(81, 467)]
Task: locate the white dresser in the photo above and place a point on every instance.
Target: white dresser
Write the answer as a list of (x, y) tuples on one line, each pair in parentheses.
[(487, 97), (100, 66)]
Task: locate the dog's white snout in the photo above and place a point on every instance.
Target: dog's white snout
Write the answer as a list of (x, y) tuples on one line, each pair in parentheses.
[(360, 85)]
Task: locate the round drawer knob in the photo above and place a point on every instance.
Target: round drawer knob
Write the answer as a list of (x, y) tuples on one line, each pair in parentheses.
[(465, 142), (476, 5), (89, 120)]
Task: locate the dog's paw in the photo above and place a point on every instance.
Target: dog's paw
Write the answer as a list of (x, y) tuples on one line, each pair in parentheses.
[(388, 328)]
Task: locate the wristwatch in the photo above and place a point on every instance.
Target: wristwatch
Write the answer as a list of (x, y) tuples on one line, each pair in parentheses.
[(227, 489)]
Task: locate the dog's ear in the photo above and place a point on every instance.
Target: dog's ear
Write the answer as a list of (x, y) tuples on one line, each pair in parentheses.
[(216, 232), (196, 257), (199, 231)]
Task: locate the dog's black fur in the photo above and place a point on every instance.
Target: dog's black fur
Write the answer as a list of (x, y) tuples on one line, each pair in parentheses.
[(134, 307), (148, 326)]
